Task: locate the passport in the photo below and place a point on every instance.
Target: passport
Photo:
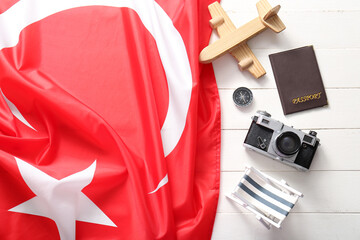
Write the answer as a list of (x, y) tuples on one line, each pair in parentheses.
[(298, 79)]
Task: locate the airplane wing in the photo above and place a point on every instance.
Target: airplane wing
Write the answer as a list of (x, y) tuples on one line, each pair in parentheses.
[(246, 58), (248, 61), (224, 26)]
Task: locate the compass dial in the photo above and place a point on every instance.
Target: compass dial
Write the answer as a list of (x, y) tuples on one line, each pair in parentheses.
[(242, 97)]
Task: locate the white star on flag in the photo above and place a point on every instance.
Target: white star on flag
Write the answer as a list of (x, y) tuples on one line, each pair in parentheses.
[(61, 200)]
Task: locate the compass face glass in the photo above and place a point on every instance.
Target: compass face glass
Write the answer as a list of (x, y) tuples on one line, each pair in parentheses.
[(242, 96)]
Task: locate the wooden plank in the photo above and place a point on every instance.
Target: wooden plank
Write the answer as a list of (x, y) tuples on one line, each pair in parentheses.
[(336, 152), (324, 191), (304, 29), (338, 67), (341, 112), (318, 5), (329, 209), (295, 227), (337, 30)]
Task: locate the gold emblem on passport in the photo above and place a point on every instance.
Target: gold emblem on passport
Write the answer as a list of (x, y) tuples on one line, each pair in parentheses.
[(306, 98)]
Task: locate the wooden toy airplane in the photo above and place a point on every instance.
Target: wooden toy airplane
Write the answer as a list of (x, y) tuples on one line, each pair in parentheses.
[(234, 40)]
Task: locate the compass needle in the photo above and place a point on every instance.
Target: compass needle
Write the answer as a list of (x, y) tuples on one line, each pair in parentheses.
[(242, 97)]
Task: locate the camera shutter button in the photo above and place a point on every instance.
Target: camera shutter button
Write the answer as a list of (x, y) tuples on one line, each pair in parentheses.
[(313, 133)]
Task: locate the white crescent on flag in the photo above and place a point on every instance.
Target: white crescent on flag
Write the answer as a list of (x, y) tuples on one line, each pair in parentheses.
[(169, 42)]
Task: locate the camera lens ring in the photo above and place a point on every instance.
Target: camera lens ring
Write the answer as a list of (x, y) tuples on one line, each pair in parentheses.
[(288, 143)]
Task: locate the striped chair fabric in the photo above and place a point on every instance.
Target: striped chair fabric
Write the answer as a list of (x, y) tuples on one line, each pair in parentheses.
[(266, 196)]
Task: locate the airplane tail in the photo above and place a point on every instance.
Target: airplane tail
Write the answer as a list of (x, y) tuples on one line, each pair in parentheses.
[(268, 16)]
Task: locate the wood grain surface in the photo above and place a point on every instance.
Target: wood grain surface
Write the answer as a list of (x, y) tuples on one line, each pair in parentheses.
[(330, 208)]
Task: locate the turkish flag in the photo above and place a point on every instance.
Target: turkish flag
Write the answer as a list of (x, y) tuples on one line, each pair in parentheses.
[(109, 126)]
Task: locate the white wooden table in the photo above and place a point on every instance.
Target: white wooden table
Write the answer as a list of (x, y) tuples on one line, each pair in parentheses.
[(330, 208)]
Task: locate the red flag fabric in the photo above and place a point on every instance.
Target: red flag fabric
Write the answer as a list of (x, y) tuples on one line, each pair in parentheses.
[(109, 126)]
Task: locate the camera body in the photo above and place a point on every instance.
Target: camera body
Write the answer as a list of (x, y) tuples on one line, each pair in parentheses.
[(273, 139)]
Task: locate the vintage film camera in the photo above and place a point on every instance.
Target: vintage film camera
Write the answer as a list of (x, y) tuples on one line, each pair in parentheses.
[(280, 142)]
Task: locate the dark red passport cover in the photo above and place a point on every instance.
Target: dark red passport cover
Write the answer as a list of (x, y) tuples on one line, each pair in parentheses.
[(298, 79)]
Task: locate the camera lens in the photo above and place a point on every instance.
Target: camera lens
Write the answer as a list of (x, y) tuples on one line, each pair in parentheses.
[(288, 143)]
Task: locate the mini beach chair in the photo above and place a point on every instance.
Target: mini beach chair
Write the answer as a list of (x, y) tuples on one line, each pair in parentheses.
[(269, 199)]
